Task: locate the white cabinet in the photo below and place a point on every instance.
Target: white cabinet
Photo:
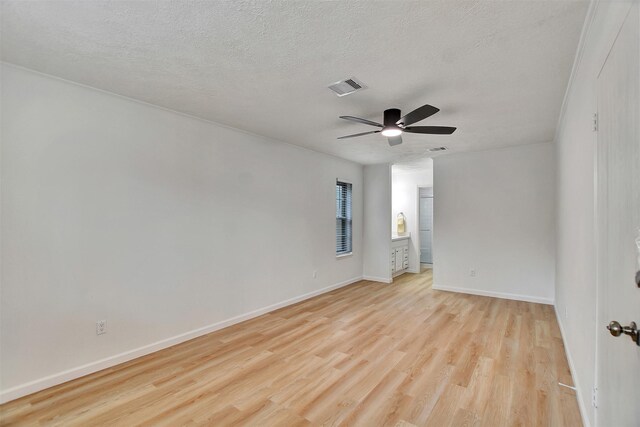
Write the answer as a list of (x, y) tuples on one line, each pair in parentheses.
[(397, 259), (393, 260), (399, 256)]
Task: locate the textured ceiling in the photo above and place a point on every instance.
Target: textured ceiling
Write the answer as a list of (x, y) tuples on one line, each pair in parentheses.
[(496, 69)]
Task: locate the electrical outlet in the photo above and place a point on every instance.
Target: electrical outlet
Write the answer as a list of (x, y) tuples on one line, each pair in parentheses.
[(566, 313), (101, 327), (315, 274), (473, 272)]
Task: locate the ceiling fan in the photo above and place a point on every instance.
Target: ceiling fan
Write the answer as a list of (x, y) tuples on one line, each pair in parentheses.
[(394, 125)]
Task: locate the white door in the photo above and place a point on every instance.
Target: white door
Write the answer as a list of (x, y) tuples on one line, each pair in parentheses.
[(426, 225), (618, 224)]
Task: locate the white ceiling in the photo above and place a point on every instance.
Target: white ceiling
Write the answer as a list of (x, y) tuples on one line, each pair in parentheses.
[(496, 69)]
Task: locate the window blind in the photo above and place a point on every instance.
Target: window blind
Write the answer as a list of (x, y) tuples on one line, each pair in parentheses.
[(343, 218)]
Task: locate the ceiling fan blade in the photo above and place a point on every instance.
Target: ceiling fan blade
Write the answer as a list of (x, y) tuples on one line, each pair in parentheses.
[(395, 140), (418, 114), (359, 120), (358, 134), (435, 130)]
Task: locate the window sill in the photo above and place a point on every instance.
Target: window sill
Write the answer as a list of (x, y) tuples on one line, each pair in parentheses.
[(348, 254)]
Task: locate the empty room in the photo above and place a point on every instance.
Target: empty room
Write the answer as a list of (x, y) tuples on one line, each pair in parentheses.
[(312, 212)]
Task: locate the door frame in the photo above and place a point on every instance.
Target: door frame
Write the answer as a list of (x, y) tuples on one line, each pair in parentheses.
[(600, 250)]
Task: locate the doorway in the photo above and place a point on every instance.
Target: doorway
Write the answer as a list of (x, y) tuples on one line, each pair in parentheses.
[(425, 224)]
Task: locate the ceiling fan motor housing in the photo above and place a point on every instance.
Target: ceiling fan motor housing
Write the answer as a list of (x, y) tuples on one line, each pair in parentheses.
[(391, 116)]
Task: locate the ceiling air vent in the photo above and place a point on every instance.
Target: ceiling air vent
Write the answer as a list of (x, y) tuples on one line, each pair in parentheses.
[(347, 87), (438, 149)]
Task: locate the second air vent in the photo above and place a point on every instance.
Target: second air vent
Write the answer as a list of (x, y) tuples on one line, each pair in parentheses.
[(347, 87)]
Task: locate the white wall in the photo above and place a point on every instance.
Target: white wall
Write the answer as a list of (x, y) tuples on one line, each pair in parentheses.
[(377, 240), (405, 183), (494, 211), (158, 222), (576, 237)]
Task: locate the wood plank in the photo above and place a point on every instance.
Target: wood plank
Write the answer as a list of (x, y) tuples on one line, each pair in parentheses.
[(368, 354)]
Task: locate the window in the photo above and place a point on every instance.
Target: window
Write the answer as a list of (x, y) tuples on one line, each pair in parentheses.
[(343, 218)]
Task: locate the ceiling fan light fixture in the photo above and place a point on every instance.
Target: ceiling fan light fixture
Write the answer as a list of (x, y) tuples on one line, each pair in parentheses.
[(393, 125), (391, 131)]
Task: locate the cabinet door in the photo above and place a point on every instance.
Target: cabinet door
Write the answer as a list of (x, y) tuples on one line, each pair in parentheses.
[(393, 260), (399, 258)]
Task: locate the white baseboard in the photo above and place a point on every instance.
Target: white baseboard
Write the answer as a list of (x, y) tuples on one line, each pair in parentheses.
[(377, 279), (98, 365), (503, 295), (580, 398)]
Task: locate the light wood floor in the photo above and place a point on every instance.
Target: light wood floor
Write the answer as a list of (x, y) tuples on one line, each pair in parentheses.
[(368, 354)]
